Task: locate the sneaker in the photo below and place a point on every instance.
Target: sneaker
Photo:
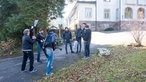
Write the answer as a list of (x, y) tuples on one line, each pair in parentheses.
[(49, 74), (24, 70), (39, 62), (72, 51), (51, 67), (34, 70), (84, 58)]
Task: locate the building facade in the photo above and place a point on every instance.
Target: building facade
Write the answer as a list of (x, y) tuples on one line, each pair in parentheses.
[(103, 14)]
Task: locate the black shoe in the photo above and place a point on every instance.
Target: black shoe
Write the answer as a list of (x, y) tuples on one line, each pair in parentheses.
[(72, 51), (39, 62)]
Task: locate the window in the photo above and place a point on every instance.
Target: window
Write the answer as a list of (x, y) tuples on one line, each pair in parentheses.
[(107, 0), (131, 1), (140, 13), (142, 2), (88, 12), (128, 13), (106, 13)]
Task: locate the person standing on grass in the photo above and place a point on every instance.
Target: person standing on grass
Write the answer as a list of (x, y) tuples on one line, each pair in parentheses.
[(78, 38), (87, 40), (27, 48), (67, 36), (40, 39)]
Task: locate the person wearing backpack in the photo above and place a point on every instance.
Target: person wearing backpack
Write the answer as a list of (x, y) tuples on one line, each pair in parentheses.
[(49, 51), (78, 38), (67, 36)]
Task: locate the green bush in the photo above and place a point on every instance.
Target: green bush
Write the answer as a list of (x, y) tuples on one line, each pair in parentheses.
[(59, 41)]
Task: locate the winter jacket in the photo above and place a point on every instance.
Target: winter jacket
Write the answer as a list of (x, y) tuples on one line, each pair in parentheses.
[(27, 43), (40, 37), (78, 34), (87, 35), (50, 39), (67, 36)]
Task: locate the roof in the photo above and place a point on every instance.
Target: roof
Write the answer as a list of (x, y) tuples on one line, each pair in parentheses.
[(81, 2)]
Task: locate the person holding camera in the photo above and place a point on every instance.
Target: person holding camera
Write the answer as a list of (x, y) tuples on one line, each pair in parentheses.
[(27, 48)]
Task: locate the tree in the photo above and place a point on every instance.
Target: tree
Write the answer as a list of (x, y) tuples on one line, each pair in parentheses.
[(136, 29), (6, 9), (30, 10), (137, 32)]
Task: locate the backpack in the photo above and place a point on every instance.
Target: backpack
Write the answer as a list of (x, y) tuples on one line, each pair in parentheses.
[(48, 40), (53, 37)]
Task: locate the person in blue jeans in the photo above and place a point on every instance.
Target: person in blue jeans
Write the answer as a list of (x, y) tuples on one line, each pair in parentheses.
[(40, 39), (48, 46), (49, 52)]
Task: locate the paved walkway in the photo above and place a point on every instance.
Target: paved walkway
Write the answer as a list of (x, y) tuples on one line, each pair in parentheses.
[(10, 67)]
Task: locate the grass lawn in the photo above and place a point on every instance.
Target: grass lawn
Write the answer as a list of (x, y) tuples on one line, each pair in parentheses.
[(124, 65)]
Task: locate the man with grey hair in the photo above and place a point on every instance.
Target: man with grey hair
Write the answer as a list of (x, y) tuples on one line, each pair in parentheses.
[(27, 48)]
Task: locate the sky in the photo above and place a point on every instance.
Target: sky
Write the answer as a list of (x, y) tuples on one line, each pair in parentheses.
[(66, 11)]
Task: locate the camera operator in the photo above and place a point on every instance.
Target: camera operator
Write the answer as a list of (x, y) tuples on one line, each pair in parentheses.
[(27, 48)]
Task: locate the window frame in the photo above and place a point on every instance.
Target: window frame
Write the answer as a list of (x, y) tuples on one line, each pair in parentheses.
[(107, 14), (88, 12)]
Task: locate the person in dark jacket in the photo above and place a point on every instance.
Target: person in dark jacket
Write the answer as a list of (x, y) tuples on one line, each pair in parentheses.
[(40, 39), (78, 38), (67, 36), (87, 40), (27, 48)]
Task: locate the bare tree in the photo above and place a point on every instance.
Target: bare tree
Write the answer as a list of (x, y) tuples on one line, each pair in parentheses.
[(137, 32), (136, 29)]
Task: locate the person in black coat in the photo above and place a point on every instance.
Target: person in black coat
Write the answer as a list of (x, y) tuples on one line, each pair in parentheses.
[(27, 48), (67, 36), (87, 40)]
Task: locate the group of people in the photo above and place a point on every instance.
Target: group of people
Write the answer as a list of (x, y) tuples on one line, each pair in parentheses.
[(47, 44), (83, 31)]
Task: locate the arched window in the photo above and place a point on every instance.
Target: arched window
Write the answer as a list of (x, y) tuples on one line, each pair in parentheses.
[(128, 13), (141, 13)]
